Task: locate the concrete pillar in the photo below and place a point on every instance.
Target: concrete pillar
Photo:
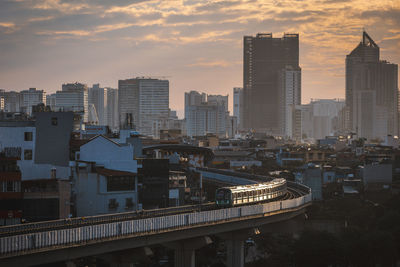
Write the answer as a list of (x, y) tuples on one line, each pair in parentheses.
[(234, 242), (235, 252), (184, 257), (70, 264), (185, 250)]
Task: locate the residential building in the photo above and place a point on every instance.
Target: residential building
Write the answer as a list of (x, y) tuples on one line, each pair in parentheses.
[(205, 119), (311, 176), (377, 174), (206, 114), (238, 105), (154, 178), (46, 199), (40, 145), (264, 60), (290, 96), (30, 98), (141, 101), (93, 118), (105, 178), (73, 97), (221, 100), (194, 98), (318, 119), (51, 101), (112, 109), (98, 97), (371, 91), (11, 100), (231, 126), (10, 190)]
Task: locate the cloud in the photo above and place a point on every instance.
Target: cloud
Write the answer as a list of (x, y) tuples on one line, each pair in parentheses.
[(215, 63), (7, 27), (188, 38)]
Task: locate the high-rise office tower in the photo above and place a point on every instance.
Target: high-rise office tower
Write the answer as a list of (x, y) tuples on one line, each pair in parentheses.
[(141, 102), (98, 97), (371, 92), (73, 97), (238, 105), (264, 60)]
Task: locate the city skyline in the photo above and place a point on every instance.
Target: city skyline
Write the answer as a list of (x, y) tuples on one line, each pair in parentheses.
[(48, 43)]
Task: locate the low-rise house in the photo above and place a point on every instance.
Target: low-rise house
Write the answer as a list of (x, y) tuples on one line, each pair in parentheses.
[(104, 178)]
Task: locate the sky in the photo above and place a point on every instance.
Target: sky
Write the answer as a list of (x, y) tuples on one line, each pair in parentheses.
[(196, 45)]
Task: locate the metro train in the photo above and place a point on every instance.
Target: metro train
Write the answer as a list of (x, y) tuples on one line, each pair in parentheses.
[(247, 194)]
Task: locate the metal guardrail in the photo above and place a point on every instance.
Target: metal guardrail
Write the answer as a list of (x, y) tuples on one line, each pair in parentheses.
[(29, 243), (98, 219)]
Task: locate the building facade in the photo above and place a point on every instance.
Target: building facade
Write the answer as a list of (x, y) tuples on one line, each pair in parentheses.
[(206, 114), (73, 97), (141, 101), (112, 109), (194, 98), (30, 98), (11, 100), (290, 96), (98, 97), (371, 91), (238, 104), (264, 60)]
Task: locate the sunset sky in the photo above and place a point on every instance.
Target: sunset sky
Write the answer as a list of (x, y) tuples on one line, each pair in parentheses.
[(197, 45)]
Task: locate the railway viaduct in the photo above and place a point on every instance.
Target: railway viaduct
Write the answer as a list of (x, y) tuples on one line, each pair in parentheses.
[(183, 231)]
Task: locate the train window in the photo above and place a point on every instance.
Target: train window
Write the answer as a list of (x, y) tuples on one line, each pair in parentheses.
[(220, 194), (226, 195)]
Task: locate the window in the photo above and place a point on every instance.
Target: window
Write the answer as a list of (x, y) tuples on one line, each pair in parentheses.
[(112, 204), (120, 183), (10, 186), (28, 136), (128, 203), (28, 154), (54, 121)]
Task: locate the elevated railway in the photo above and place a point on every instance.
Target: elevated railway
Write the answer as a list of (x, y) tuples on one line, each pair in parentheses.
[(93, 235)]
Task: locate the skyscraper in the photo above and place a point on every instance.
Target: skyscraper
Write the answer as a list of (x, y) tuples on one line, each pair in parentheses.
[(290, 97), (194, 98), (98, 97), (30, 98), (73, 97), (264, 60), (112, 108), (238, 105), (371, 91), (205, 114), (142, 102)]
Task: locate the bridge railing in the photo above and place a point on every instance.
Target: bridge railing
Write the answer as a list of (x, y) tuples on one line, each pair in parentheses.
[(29, 243)]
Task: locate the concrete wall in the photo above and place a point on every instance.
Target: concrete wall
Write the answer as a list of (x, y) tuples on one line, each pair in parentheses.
[(381, 173), (92, 197), (52, 142), (14, 137), (110, 154)]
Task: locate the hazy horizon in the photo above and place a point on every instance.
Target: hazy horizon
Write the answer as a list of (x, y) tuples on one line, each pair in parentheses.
[(196, 45)]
